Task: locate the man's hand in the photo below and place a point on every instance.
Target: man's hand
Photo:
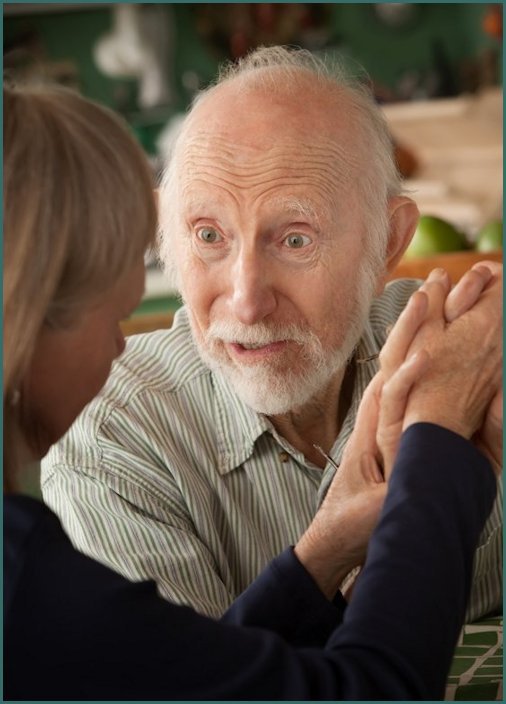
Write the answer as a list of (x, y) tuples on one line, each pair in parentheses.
[(336, 541), (466, 354), (467, 291), (489, 437), (466, 351)]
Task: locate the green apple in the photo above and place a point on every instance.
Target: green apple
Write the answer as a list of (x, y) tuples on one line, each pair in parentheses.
[(434, 235), (489, 238)]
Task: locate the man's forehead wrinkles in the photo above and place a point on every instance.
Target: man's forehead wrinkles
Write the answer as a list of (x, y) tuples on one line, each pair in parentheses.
[(205, 139), (265, 172), (322, 185), (322, 175), (208, 147), (321, 170)]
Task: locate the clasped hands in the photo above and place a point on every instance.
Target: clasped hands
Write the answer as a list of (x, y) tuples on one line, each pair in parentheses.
[(441, 363)]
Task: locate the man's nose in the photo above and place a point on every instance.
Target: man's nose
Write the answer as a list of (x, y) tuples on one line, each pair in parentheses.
[(252, 294)]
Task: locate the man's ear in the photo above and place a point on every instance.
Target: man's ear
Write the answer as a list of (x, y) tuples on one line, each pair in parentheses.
[(403, 215), (156, 193)]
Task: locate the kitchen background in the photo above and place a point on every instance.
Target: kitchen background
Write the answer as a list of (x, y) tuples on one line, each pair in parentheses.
[(435, 67)]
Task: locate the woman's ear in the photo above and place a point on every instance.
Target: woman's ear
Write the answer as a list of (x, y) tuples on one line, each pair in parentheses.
[(403, 215)]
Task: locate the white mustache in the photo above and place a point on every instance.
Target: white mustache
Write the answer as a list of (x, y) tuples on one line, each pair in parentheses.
[(258, 334)]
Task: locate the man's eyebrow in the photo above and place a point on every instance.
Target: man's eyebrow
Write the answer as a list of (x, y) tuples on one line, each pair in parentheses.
[(294, 205), (298, 206)]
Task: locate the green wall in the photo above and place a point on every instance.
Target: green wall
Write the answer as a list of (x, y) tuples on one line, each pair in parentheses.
[(69, 35), (387, 52)]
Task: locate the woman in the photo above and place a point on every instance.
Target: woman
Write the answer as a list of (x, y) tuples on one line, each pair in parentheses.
[(78, 215)]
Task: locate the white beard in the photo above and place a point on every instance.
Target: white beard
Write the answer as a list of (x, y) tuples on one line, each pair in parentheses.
[(274, 389)]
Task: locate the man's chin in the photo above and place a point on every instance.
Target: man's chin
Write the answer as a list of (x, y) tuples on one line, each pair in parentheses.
[(273, 393), (264, 398)]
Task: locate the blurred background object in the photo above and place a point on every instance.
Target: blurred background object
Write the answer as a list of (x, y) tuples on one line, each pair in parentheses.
[(147, 60), (140, 46), (232, 33), (457, 143), (492, 21)]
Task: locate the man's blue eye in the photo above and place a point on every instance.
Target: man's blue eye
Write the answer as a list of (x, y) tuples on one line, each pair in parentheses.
[(208, 235), (297, 241)]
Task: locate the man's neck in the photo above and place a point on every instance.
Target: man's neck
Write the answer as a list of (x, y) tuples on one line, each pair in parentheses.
[(318, 422)]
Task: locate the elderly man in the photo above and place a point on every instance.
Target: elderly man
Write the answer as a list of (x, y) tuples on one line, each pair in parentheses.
[(212, 445)]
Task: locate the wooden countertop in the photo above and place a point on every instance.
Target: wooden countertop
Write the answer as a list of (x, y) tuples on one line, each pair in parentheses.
[(455, 263)]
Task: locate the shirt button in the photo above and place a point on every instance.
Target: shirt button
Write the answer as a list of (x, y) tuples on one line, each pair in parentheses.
[(284, 456)]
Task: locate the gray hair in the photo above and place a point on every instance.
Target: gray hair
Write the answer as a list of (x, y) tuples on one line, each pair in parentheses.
[(267, 68)]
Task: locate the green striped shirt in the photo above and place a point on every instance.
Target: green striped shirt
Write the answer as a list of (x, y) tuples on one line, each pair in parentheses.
[(168, 475)]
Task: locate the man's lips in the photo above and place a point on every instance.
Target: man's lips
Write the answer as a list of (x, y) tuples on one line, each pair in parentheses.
[(249, 352)]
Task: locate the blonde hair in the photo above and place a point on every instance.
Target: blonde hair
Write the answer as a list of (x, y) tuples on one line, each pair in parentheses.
[(288, 69), (78, 211)]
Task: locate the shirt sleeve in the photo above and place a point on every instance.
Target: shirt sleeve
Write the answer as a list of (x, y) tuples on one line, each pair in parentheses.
[(486, 586), (141, 547), (122, 522)]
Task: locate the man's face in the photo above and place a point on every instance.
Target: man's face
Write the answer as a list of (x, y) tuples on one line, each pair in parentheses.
[(270, 246)]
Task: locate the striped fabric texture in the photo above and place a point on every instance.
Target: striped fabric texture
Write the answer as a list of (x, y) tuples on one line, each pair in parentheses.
[(168, 475)]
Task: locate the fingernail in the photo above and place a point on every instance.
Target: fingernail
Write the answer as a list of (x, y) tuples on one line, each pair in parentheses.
[(483, 270), (438, 273)]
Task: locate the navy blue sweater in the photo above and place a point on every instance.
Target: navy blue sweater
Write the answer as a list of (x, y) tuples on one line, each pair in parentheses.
[(76, 630)]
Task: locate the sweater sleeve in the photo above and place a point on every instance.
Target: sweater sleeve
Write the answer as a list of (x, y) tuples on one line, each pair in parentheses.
[(285, 599), (99, 637)]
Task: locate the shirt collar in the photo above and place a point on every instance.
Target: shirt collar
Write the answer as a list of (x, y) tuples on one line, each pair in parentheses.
[(238, 427), (364, 372)]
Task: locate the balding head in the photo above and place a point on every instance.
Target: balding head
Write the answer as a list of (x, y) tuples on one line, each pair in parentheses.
[(279, 211)]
